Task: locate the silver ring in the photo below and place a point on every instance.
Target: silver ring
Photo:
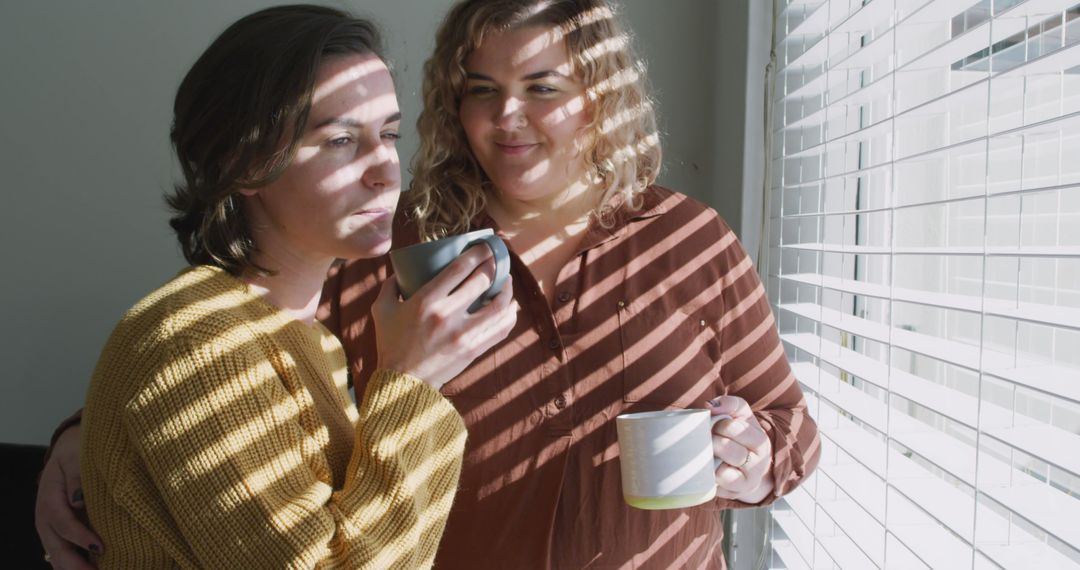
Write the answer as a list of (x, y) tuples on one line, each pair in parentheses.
[(48, 558), (745, 461)]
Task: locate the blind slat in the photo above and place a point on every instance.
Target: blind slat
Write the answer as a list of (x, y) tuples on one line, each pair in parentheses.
[(930, 498), (1059, 316), (1052, 444)]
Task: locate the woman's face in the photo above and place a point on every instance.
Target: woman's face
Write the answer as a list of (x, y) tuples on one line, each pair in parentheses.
[(523, 113), (336, 199)]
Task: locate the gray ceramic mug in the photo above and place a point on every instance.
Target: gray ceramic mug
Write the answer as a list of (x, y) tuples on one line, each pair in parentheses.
[(417, 264)]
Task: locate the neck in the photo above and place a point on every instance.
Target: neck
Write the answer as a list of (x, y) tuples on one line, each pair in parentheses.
[(545, 232), (560, 210), (294, 287)]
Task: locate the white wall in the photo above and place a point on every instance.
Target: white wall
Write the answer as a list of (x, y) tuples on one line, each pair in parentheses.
[(86, 98)]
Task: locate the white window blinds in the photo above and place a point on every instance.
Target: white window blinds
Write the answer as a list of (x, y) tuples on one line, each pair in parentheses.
[(924, 266)]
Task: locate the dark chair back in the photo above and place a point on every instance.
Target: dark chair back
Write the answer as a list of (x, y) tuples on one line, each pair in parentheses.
[(19, 468)]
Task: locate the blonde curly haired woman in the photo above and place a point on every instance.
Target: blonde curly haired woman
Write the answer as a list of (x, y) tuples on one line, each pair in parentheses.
[(537, 122)]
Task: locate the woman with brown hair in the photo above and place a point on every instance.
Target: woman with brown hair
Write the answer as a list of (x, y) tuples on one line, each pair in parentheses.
[(218, 430)]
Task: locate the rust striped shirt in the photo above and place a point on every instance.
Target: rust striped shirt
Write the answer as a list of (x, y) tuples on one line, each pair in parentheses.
[(663, 310)]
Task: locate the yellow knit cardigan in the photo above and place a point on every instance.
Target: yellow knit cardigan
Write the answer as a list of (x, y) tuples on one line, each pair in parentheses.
[(219, 433)]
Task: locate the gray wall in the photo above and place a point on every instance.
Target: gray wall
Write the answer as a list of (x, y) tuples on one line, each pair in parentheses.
[(85, 103)]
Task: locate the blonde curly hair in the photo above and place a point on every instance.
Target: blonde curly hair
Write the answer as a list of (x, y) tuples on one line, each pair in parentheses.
[(449, 187)]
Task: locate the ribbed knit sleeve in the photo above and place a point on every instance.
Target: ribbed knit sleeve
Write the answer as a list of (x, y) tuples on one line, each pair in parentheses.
[(218, 435), (403, 474)]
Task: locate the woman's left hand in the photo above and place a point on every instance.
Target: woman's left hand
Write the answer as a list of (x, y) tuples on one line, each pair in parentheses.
[(745, 449)]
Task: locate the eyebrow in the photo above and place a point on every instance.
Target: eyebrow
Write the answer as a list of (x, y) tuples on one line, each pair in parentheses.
[(530, 77), (352, 123)]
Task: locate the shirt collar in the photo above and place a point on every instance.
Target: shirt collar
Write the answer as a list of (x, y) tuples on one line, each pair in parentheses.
[(654, 202)]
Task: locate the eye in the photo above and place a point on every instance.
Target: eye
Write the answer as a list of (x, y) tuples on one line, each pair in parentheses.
[(340, 141), (391, 136), (543, 89), (480, 90)]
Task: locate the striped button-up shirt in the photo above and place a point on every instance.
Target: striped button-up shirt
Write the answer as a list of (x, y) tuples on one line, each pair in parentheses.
[(662, 310)]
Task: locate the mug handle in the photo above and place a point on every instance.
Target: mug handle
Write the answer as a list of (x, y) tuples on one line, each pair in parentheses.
[(502, 266), (716, 461)]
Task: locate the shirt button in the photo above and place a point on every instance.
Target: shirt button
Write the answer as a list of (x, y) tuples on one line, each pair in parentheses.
[(702, 322), (560, 401), (553, 344), (622, 304), (564, 296)]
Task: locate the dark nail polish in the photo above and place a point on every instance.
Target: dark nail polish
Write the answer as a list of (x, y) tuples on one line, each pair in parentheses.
[(77, 496), (95, 549)]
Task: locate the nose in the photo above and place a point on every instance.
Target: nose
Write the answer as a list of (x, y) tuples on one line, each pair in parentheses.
[(510, 114), (381, 168)]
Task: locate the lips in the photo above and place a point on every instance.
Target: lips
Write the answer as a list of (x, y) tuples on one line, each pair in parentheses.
[(514, 148), (374, 212)]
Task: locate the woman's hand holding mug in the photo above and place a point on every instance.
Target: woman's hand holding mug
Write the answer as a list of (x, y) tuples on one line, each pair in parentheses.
[(745, 449)]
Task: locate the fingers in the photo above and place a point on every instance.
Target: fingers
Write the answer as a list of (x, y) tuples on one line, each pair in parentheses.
[(750, 484), (746, 432), (474, 286), (488, 325), (733, 406), (497, 305), (499, 310), (73, 490), (738, 476), (732, 453), (451, 336), (743, 428), (453, 275), (70, 526), (744, 447), (64, 555), (66, 558), (387, 298), (62, 533), (65, 524), (462, 282)]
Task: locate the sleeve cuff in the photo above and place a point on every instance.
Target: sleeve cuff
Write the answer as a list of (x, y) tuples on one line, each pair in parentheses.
[(72, 420), (397, 393)]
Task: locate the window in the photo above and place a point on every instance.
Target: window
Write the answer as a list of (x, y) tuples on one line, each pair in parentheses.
[(924, 267)]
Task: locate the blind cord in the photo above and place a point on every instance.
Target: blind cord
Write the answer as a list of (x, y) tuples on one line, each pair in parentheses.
[(766, 179), (763, 243)]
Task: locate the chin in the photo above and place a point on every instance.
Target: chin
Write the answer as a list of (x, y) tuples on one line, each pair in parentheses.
[(519, 190), (366, 248)]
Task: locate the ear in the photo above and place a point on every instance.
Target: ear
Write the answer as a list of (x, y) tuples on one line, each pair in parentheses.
[(249, 192)]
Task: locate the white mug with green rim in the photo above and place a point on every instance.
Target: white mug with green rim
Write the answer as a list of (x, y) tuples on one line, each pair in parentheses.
[(667, 458)]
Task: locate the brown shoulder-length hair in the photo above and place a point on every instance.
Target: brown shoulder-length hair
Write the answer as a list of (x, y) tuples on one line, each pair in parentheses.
[(239, 115), (622, 152)]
